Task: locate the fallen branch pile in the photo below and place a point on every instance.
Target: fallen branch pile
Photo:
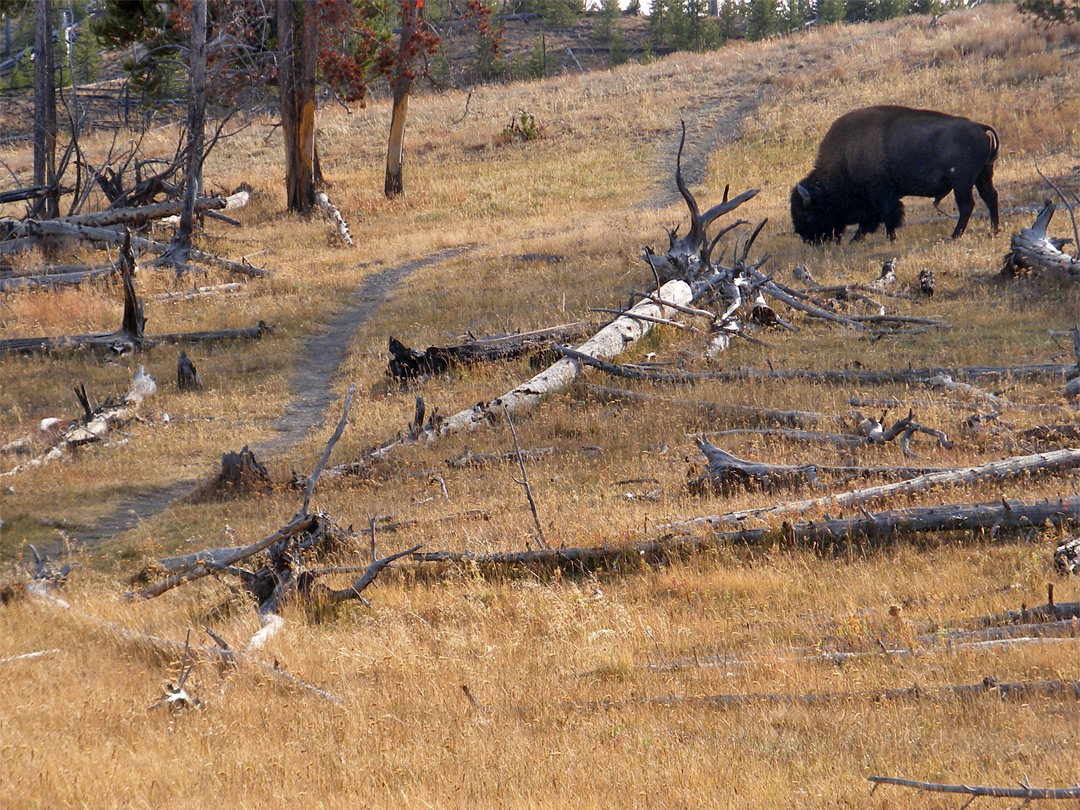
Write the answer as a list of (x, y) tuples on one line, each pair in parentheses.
[(286, 572), (130, 336)]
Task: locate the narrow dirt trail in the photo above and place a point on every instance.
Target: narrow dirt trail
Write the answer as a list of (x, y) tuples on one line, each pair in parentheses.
[(716, 119), (311, 381)]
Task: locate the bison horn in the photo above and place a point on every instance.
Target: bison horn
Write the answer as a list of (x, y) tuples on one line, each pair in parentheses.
[(804, 193)]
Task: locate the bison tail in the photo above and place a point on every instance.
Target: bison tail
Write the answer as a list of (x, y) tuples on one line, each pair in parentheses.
[(995, 144)]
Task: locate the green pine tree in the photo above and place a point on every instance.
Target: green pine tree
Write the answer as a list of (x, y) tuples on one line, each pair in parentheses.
[(536, 67), (761, 19), (619, 50)]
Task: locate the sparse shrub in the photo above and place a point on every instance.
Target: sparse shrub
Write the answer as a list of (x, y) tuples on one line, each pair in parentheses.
[(86, 56), (523, 127), (607, 22)]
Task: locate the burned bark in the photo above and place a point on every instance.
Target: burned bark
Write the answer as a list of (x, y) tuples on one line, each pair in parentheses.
[(241, 475), (406, 363)]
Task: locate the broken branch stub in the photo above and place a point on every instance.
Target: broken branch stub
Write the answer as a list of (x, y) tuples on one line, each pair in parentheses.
[(687, 256), (1032, 249)]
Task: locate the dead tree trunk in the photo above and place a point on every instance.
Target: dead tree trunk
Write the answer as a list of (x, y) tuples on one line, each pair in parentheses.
[(196, 126), (297, 58), (45, 106), (608, 342), (1000, 517)]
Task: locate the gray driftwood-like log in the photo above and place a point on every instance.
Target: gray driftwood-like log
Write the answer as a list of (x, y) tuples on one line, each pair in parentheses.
[(406, 363), (1009, 468), (322, 200), (62, 277), (1025, 791), (684, 257), (1032, 249), (832, 377), (112, 236), (609, 341), (728, 473), (470, 459), (999, 517), (122, 342), (1020, 690)]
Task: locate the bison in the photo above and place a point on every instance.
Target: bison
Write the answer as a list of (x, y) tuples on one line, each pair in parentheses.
[(872, 157)]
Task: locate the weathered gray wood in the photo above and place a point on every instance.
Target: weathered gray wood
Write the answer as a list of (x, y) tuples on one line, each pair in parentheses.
[(406, 363), (1025, 792), (833, 377), (999, 516), (1067, 556), (1033, 249), (728, 472), (207, 564), (610, 341), (62, 279), (113, 237), (994, 471), (322, 200)]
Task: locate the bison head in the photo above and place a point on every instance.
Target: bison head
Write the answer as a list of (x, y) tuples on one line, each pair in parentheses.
[(811, 213)]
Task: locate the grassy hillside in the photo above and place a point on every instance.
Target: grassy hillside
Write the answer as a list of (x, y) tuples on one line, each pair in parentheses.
[(568, 674)]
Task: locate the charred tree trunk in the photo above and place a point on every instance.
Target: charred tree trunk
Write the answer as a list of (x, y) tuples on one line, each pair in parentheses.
[(241, 474), (45, 107), (296, 77), (406, 363)]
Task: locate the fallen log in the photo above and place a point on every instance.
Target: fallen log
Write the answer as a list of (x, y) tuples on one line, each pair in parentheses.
[(138, 215), (406, 363), (322, 200), (52, 280), (833, 377), (113, 237), (470, 459), (823, 535), (1032, 249), (1050, 612), (727, 473), (1067, 556), (994, 471), (610, 341), (1025, 791)]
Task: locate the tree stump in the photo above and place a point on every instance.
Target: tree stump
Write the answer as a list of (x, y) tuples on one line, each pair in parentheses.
[(241, 474)]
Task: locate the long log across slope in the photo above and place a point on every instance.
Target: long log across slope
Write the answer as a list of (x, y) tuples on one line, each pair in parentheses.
[(609, 342)]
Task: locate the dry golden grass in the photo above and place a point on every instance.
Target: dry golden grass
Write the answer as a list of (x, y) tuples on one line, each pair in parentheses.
[(569, 672)]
